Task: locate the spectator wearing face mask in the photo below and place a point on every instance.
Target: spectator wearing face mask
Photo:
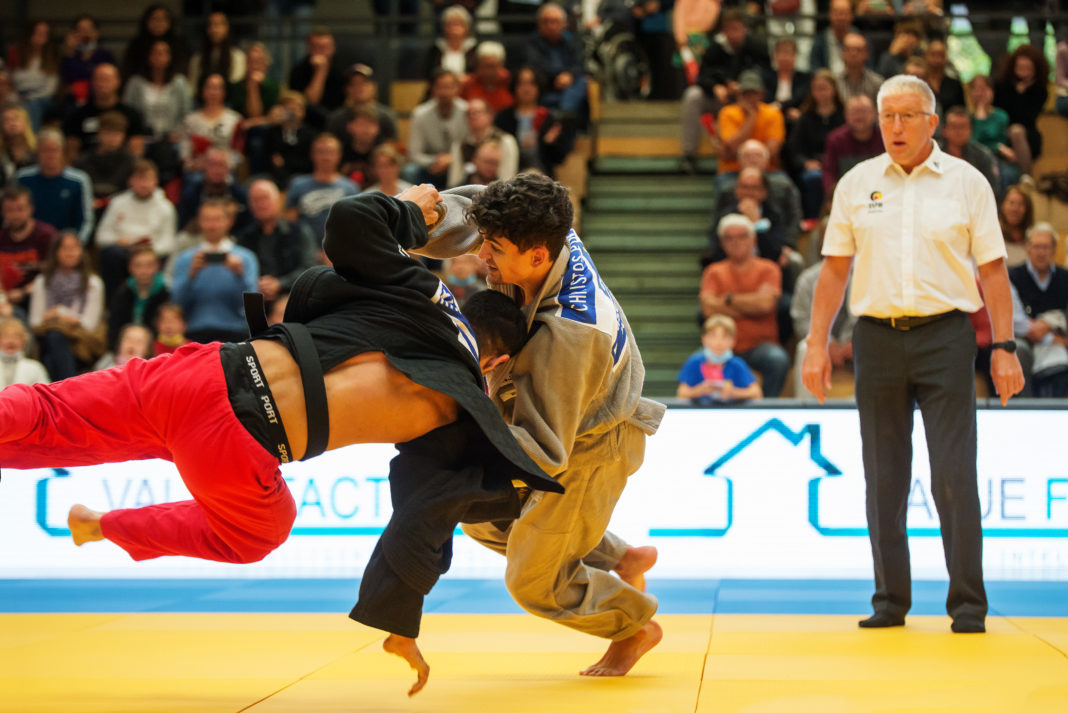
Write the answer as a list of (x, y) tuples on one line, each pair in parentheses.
[(713, 375), (15, 366)]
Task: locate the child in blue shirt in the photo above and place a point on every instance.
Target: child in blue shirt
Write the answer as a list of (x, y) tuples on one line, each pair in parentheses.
[(714, 375)]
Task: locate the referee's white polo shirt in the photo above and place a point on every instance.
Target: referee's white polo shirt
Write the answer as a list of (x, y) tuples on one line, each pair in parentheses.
[(913, 236)]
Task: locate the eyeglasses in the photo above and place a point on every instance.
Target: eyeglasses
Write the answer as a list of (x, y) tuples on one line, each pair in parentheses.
[(907, 117)]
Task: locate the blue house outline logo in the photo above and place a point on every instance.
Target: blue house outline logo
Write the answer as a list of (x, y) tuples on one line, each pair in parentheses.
[(815, 453), (830, 470)]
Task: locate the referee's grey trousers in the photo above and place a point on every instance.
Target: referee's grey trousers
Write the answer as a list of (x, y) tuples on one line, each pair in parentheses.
[(932, 366)]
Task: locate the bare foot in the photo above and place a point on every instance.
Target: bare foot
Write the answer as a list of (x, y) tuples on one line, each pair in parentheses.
[(622, 655), (408, 650), (84, 525), (635, 563)]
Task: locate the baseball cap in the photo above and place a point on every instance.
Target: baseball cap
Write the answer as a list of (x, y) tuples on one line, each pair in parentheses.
[(359, 68), (750, 81)]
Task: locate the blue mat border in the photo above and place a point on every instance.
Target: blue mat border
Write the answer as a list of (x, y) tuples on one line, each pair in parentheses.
[(484, 596)]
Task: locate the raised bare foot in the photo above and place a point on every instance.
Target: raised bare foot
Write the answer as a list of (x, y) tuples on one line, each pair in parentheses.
[(622, 655), (408, 650), (635, 563), (84, 525)]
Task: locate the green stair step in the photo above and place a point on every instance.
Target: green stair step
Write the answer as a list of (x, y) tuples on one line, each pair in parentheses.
[(680, 310), (646, 129), (666, 373), (657, 297), (680, 332), (605, 243), (669, 270), (603, 185), (639, 283), (648, 164), (680, 315), (667, 290), (661, 382), (684, 337), (613, 222), (668, 358), (638, 287), (667, 370), (635, 112), (695, 202), (657, 390), (680, 320), (659, 329), (644, 259)]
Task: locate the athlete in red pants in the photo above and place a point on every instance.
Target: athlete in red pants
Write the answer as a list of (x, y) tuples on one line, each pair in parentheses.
[(373, 350), (173, 407)]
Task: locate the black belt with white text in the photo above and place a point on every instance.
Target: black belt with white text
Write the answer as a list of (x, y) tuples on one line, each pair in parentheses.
[(251, 399)]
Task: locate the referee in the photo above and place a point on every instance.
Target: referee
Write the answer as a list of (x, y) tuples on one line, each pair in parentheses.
[(916, 221)]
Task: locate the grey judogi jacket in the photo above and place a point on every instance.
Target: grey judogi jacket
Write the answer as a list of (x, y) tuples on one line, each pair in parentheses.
[(579, 375)]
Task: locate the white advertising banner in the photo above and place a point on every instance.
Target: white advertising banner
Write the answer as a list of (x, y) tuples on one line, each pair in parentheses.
[(757, 493)]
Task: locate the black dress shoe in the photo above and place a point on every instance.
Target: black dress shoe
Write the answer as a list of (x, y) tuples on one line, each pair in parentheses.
[(881, 620), (968, 625)]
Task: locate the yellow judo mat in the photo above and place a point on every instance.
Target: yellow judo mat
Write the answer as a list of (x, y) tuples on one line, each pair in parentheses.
[(724, 663)]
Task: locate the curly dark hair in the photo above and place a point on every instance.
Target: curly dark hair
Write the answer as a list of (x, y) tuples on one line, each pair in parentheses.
[(1008, 66), (528, 210)]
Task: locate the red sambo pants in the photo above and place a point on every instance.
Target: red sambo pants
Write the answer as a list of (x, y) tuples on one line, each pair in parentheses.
[(173, 407)]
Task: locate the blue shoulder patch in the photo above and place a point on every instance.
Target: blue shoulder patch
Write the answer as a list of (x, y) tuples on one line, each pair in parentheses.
[(578, 294), (448, 304)]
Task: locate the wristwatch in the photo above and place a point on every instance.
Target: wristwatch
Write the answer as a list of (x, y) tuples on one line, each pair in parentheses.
[(728, 298), (1009, 346)]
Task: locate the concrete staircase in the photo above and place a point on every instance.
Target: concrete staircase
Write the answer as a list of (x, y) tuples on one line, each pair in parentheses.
[(645, 225)]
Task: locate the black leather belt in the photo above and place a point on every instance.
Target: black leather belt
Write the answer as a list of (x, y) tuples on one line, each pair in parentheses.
[(904, 324)]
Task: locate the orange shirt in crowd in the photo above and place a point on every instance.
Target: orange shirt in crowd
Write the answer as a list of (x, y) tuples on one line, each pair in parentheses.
[(769, 126), (724, 277)]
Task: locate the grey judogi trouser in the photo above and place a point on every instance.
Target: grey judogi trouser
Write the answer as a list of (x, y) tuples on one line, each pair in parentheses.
[(559, 553), (933, 366)]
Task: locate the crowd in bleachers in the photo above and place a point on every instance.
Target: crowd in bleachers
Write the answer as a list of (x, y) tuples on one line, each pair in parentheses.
[(148, 191), (191, 168), (784, 136)]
